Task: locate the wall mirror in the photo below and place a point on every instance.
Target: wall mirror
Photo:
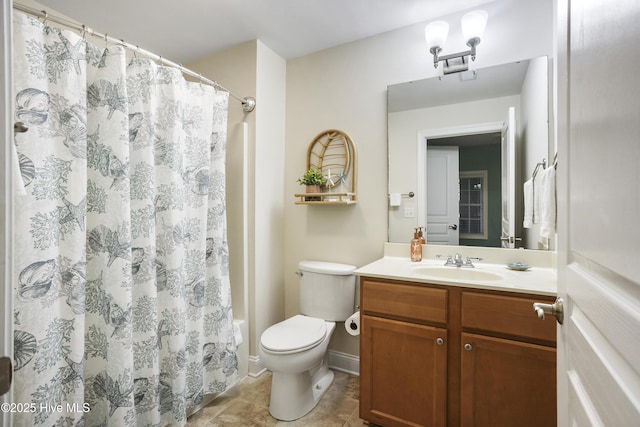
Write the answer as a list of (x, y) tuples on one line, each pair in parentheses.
[(460, 149)]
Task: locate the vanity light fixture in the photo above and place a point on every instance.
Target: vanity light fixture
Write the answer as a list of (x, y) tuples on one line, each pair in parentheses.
[(473, 25)]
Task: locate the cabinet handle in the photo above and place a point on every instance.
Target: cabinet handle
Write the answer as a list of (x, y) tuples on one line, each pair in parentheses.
[(439, 341), (468, 347)]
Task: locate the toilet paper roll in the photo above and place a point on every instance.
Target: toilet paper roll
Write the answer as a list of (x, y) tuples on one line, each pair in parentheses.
[(352, 324), (395, 199)]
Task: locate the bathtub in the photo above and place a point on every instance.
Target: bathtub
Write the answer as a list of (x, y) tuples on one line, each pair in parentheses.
[(239, 332)]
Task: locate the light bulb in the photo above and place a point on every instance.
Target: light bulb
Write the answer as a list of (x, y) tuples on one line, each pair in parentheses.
[(436, 34), (473, 24)]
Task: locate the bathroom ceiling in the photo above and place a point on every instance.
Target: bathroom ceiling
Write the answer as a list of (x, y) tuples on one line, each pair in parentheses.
[(186, 30)]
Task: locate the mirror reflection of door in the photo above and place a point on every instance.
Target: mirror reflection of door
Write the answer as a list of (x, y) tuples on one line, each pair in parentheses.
[(477, 191), (442, 191), (508, 138)]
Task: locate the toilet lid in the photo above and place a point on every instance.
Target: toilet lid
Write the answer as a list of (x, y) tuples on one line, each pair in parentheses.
[(296, 333)]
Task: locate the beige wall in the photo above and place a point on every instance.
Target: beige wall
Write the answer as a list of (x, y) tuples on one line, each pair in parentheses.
[(255, 177), (235, 69), (345, 88), (268, 236)]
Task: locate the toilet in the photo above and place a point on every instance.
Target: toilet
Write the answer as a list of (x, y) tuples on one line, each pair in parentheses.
[(295, 350)]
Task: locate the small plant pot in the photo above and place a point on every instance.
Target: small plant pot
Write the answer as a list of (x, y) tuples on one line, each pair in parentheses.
[(312, 189)]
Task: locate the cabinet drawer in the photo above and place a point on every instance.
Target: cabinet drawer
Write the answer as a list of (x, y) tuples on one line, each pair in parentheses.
[(404, 301), (506, 315)]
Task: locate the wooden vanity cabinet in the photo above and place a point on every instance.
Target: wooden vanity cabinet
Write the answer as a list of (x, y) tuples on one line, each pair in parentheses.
[(403, 355), (434, 355), (406, 379), (508, 361)]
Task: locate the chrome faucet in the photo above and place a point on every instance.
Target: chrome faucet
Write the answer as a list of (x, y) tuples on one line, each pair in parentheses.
[(456, 261)]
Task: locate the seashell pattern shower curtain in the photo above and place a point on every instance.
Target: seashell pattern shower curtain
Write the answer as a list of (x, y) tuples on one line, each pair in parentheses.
[(122, 303)]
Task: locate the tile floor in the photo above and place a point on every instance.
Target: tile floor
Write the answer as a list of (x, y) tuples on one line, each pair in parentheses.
[(247, 404)]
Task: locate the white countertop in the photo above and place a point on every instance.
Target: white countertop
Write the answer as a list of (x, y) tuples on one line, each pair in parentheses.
[(536, 280)]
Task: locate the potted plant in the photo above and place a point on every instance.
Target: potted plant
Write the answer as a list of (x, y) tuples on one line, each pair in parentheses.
[(313, 179)]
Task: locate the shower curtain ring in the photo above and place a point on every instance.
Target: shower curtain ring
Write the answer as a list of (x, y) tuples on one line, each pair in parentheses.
[(84, 32), (106, 40), (44, 18)]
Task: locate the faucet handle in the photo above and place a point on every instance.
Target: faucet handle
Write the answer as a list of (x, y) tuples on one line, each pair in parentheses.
[(472, 258), (449, 259)]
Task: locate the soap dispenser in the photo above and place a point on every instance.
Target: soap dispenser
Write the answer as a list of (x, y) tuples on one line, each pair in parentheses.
[(416, 247), (421, 236)]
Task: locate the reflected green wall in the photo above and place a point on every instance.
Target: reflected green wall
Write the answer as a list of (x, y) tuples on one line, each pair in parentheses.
[(486, 157)]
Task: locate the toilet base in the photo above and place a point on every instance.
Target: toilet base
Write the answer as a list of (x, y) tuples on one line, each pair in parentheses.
[(295, 395)]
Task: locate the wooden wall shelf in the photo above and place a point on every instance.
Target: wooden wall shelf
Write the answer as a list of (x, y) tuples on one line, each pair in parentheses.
[(333, 153), (326, 198)]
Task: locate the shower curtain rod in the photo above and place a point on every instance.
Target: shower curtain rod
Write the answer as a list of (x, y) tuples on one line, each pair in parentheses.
[(248, 103)]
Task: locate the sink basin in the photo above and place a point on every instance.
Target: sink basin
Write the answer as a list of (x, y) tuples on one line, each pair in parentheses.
[(457, 273)]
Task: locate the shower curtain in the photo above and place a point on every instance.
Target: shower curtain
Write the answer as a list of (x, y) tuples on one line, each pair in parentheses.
[(122, 298)]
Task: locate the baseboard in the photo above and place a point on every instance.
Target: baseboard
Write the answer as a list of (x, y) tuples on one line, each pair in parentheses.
[(339, 361), (344, 362), (256, 368)]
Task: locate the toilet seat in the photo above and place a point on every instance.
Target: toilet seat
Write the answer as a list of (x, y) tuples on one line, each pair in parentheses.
[(298, 333)]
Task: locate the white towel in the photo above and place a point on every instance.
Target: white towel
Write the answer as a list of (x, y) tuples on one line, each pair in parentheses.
[(395, 199), (528, 204), (537, 193), (547, 189)]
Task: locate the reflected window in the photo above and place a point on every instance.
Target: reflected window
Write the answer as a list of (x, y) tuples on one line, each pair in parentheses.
[(473, 204)]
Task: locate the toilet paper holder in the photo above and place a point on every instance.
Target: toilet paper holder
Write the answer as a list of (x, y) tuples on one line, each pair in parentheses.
[(352, 324)]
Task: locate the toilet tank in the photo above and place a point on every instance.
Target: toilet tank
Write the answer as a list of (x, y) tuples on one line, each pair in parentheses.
[(327, 290)]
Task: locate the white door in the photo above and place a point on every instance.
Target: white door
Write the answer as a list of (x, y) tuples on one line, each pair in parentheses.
[(599, 207), (443, 195), (508, 237), (6, 133)]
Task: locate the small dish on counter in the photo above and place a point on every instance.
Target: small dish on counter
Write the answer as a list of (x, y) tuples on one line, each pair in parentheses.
[(518, 266)]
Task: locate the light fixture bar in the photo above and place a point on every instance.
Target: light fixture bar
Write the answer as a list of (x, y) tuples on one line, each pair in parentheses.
[(455, 55), (456, 64)]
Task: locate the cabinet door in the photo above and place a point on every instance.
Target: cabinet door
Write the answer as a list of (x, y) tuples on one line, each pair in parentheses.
[(507, 383), (403, 377)]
